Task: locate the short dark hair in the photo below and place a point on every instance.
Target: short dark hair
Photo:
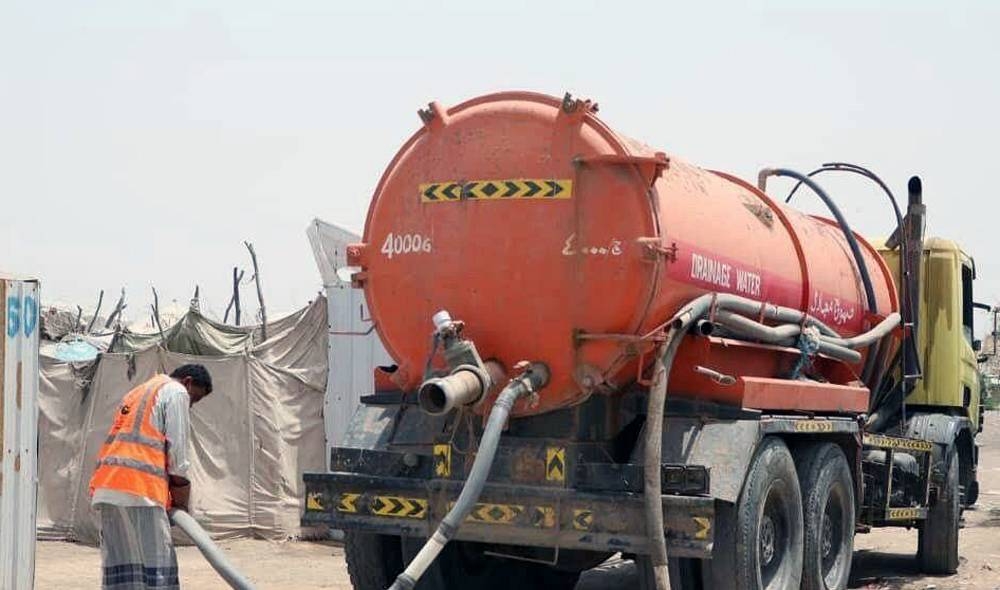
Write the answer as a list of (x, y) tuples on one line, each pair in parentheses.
[(198, 374)]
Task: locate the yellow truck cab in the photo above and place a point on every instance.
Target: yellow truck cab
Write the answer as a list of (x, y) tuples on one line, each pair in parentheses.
[(944, 405)]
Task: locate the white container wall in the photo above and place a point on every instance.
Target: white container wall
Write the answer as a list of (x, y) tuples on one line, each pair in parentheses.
[(18, 431), (355, 349)]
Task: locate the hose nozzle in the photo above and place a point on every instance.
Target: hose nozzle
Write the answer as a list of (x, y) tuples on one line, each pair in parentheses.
[(440, 394), (466, 385)]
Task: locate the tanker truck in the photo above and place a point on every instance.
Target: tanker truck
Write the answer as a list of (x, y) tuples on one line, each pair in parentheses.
[(601, 349)]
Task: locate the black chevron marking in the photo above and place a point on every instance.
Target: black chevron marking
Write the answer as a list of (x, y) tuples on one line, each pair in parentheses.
[(533, 188), (554, 188)]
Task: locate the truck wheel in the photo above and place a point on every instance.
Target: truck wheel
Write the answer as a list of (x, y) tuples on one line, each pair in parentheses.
[(685, 573), (465, 565), (972, 494), (768, 550), (938, 537), (828, 514), (758, 541), (373, 561)]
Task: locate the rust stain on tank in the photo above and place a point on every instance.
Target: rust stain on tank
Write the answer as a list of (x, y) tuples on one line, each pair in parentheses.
[(761, 212)]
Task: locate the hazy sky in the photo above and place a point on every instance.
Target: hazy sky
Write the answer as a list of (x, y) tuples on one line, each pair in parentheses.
[(142, 142)]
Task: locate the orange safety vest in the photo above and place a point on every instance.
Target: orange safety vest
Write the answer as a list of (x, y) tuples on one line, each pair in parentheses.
[(134, 456)]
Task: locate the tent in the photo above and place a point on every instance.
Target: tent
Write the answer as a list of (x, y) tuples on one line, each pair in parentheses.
[(251, 439)]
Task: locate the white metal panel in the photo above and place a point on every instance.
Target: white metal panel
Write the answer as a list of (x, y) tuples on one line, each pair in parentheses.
[(355, 348), (19, 427)]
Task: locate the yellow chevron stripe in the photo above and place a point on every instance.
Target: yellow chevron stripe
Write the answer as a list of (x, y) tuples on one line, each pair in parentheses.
[(505, 189)]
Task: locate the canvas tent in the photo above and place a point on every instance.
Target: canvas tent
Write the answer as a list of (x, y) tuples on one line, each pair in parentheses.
[(251, 439)]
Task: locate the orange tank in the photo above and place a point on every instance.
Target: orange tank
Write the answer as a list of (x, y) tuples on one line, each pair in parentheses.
[(551, 236)]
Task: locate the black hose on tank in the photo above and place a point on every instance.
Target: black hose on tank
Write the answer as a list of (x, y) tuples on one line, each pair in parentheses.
[(909, 358), (852, 242)]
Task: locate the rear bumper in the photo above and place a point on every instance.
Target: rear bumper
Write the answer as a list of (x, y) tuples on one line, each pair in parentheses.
[(534, 515)]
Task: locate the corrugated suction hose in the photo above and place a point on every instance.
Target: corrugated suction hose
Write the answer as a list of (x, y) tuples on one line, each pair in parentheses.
[(531, 381), (209, 549)]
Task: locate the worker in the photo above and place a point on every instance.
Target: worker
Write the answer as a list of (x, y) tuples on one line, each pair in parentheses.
[(142, 471)]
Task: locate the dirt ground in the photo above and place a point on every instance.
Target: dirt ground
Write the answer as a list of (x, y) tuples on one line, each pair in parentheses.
[(883, 560)]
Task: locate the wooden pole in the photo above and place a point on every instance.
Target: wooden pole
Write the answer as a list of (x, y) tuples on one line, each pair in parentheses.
[(119, 307), (260, 290), (156, 314), (235, 299), (100, 300)]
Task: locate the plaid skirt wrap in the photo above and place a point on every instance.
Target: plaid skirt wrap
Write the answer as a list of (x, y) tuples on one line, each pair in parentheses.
[(136, 550)]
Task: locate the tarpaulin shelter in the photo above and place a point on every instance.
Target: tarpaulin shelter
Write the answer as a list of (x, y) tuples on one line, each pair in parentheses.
[(251, 439)]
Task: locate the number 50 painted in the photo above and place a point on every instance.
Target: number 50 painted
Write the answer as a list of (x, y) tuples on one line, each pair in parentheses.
[(21, 312)]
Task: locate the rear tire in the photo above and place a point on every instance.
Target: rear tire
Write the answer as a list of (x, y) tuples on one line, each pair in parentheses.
[(465, 565), (938, 538), (828, 515), (769, 527), (972, 494), (373, 561), (758, 542)]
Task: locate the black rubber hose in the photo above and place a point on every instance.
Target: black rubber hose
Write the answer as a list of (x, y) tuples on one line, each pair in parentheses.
[(209, 549), (532, 380), (910, 358), (852, 242)]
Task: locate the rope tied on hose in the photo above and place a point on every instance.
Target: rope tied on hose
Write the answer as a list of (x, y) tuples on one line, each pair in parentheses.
[(808, 345)]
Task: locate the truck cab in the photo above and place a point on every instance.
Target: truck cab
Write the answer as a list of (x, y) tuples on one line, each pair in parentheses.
[(945, 403)]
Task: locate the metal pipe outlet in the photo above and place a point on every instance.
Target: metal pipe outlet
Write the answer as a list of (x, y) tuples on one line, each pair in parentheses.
[(530, 381), (440, 394), (466, 385)]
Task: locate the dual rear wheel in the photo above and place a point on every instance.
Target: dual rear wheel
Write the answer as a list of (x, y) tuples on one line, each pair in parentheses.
[(792, 527), (772, 544)]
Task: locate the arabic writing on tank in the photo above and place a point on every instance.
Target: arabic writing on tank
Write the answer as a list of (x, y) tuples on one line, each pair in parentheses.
[(613, 248), (831, 308)]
